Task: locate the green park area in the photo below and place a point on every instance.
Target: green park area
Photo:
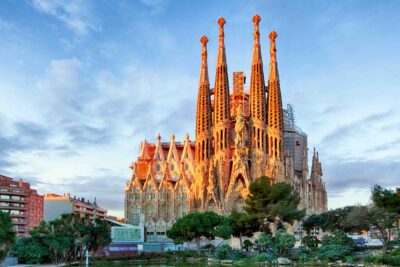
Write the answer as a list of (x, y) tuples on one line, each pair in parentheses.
[(262, 229)]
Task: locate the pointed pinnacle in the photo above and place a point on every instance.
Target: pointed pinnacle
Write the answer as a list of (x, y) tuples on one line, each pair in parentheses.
[(221, 22), (256, 19), (204, 40), (272, 36)]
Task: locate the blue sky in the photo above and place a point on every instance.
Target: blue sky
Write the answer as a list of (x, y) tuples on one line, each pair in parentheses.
[(83, 82)]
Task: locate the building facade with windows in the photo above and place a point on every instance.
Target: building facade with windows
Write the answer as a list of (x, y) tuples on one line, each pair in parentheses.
[(23, 203), (240, 136), (56, 205)]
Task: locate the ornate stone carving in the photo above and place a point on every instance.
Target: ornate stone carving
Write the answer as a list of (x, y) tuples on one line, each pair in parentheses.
[(214, 172)]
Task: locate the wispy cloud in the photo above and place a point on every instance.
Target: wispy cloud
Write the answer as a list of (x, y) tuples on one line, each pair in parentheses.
[(357, 139), (26, 136), (110, 197), (361, 175), (71, 108), (75, 14), (156, 6)]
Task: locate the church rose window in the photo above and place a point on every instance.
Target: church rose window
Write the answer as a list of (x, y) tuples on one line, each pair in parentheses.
[(172, 167), (158, 167)]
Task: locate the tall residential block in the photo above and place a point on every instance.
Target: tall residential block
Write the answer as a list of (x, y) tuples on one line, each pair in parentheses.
[(23, 203)]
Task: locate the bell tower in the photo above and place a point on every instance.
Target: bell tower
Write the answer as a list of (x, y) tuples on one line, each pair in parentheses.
[(203, 128), (275, 116), (221, 116), (258, 105)]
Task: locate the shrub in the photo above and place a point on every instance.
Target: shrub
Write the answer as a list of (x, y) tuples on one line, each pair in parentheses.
[(311, 242), (223, 252), (304, 257), (29, 251), (336, 246), (338, 237), (208, 248), (247, 245), (350, 259), (282, 242), (387, 259), (334, 252), (237, 254)]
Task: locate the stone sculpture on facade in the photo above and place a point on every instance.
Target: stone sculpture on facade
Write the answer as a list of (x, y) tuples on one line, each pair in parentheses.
[(240, 136)]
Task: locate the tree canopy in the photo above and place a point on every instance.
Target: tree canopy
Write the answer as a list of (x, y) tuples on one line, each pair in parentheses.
[(7, 234), (348, 219), (277, 245), (63, 240), (389, 200), (275, 202), (336, 246), (239, 224), (386, 198), (196, 225)]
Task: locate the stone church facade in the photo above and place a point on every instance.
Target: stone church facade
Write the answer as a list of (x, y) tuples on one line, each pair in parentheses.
[(241, 135)]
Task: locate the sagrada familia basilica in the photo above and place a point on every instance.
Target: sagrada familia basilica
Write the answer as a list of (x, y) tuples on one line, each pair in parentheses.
[(241, 135)]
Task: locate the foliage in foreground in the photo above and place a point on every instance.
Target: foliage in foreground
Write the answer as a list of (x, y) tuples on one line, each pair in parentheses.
[(7, 234), (392, 259), (196, 225), (239, 224), (278, 245), (62, 240), (225, 252), (276, 202), (336, 246)]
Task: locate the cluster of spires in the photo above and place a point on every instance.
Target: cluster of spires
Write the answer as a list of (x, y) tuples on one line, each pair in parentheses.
[(265, 112)]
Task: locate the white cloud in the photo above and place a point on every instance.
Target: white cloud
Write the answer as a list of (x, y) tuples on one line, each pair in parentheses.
[(75, 14)]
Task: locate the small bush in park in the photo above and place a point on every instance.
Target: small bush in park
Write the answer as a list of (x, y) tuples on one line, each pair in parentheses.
[(223, 252)]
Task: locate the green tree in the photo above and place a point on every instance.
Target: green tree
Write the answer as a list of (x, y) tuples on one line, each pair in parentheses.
[(194, 226), (311, 242), (243, 224), (348, 219), (312, 222), (336, 246), (63, 240), (281, 242), (7, 234), (278, 244), (388, 200), (262, 241), (273, 202), (357, 220), (382, 223), (223, 252), (31, 251), (247, 244)]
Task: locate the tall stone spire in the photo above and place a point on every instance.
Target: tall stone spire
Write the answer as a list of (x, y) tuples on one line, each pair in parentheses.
[(221, 95), (203, 114), (274, 106), (257, 94), (221, 126)]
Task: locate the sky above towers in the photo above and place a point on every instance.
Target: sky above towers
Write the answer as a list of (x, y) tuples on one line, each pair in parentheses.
[(83, 82)]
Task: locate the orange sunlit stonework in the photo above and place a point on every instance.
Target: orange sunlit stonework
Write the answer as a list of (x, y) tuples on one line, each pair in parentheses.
[(240, 136)]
